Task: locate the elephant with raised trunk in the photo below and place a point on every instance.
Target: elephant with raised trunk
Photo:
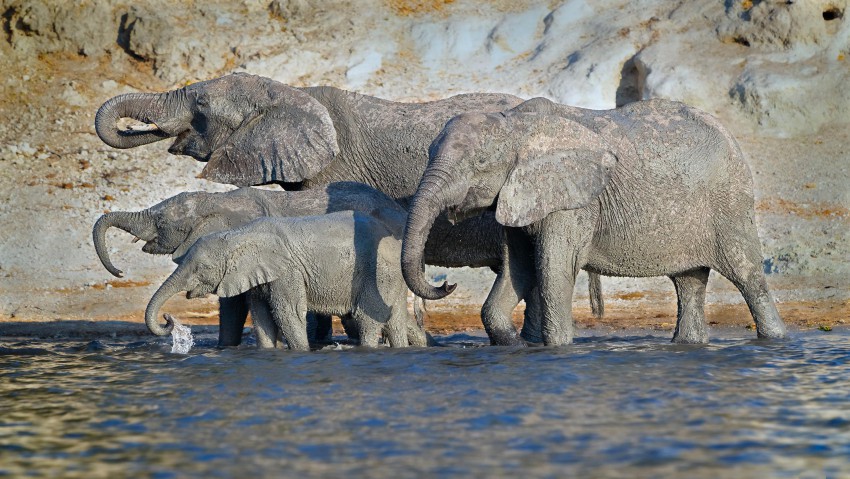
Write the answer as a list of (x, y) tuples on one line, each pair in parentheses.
[(343, 263), (653, 188), (252, 130), (173, 225)]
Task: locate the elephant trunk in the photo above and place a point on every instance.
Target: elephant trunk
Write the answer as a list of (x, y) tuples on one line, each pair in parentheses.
[(132, 223), (166, 112), (168, 289), (428, 202)]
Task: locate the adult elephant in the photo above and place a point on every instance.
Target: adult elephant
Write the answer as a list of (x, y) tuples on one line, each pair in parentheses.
[(252, 130), (653, 188)]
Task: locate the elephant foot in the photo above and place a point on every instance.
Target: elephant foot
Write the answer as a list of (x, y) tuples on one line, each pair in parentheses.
[(690, 338), (531, 338), (506, 338)]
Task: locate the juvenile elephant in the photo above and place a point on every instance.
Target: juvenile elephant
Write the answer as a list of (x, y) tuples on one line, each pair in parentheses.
[(343, 263), (252, 130), (652, 188), (172, 227)]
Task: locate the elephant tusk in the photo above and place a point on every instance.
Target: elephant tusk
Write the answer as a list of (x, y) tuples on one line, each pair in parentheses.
[(135, 239), (145, 127)]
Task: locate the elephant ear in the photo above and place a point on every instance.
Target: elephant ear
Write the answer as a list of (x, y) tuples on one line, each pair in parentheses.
[(561, 165), (254, 259), (289, 137), (205, 226)]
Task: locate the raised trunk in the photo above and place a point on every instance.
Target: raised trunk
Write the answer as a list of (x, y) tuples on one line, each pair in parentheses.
[(166, 114), (133, 223), (168, 289), (428, 202)]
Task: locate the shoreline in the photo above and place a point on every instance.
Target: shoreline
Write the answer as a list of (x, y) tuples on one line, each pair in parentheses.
[(798, 316)]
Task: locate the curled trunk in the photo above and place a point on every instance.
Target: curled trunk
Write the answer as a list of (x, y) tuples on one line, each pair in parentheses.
[(165, 112), (168, 289), (129, 222), (427, 204)]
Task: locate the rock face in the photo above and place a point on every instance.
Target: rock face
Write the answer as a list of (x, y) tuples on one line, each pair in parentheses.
[(773, 71)]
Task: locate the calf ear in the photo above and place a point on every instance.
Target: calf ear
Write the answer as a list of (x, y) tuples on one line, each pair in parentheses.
[(252, 260), (561, 165), (289, 137)]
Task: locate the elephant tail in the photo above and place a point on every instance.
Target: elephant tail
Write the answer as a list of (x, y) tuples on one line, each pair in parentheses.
[(594, 286)]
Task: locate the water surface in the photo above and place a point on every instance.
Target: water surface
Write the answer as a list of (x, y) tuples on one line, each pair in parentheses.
[(607, 406)]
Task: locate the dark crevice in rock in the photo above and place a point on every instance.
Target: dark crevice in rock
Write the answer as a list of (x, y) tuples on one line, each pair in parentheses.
[(123, 40), (631, 83), (832, 13), (7, 23)]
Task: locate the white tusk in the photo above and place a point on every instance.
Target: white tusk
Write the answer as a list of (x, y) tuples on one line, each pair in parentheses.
[(135, 239), (145, 127)]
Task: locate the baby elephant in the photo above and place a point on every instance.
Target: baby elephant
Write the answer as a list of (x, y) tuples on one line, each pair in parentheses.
[(172, 227), (344, 263)]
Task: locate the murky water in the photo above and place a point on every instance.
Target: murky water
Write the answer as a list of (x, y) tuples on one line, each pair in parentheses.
[(607, 406)]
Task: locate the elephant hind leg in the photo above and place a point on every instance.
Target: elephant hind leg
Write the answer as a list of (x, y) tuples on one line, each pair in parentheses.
[(396, 329), (741, 263), (265, 329), (368, 330), (690, 319)]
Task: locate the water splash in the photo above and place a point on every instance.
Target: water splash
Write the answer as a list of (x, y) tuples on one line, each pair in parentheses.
[(181, 337)]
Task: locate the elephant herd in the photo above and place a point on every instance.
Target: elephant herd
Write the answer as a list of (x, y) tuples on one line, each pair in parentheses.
[(373, 190)]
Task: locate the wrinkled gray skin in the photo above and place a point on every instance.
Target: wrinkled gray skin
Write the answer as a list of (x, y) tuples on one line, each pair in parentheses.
[(172, 227), (652, 188), (252, 130), (343, 263)]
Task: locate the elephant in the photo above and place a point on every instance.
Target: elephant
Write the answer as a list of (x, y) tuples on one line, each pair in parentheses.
[(172, 227), (654, 188), (342, 263), (252, 130)]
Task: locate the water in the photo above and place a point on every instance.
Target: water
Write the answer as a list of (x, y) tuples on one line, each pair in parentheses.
[(608, 406)]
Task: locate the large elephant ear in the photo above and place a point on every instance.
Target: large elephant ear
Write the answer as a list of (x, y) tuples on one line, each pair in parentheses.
[(252, 260), (289, 137), (561, 165)]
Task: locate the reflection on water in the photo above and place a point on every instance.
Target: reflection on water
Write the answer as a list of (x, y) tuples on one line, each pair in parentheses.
[(604, 407)]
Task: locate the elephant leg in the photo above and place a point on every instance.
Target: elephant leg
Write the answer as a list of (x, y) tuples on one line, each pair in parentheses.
[(319, 328), (349, 325), (562, 240), (532, 325), (749, 278), (397, 327), (416, 334), (288, 305), (511, 285), (232, 313), (368, 329), (265, 328), (690, 319)]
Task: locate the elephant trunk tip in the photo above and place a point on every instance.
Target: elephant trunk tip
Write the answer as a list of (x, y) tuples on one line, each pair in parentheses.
[(169, 325), (448, 288)]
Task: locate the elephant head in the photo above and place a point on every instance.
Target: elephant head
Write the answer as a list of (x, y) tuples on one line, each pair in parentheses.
[(173, 225), (250, 130), (226, 263), (524, 164)]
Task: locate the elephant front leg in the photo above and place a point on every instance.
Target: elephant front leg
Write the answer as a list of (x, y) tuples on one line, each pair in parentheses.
[(513, 280), (265, 329), (690, 320), (561, 243), (288, 305), (232, 313)]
